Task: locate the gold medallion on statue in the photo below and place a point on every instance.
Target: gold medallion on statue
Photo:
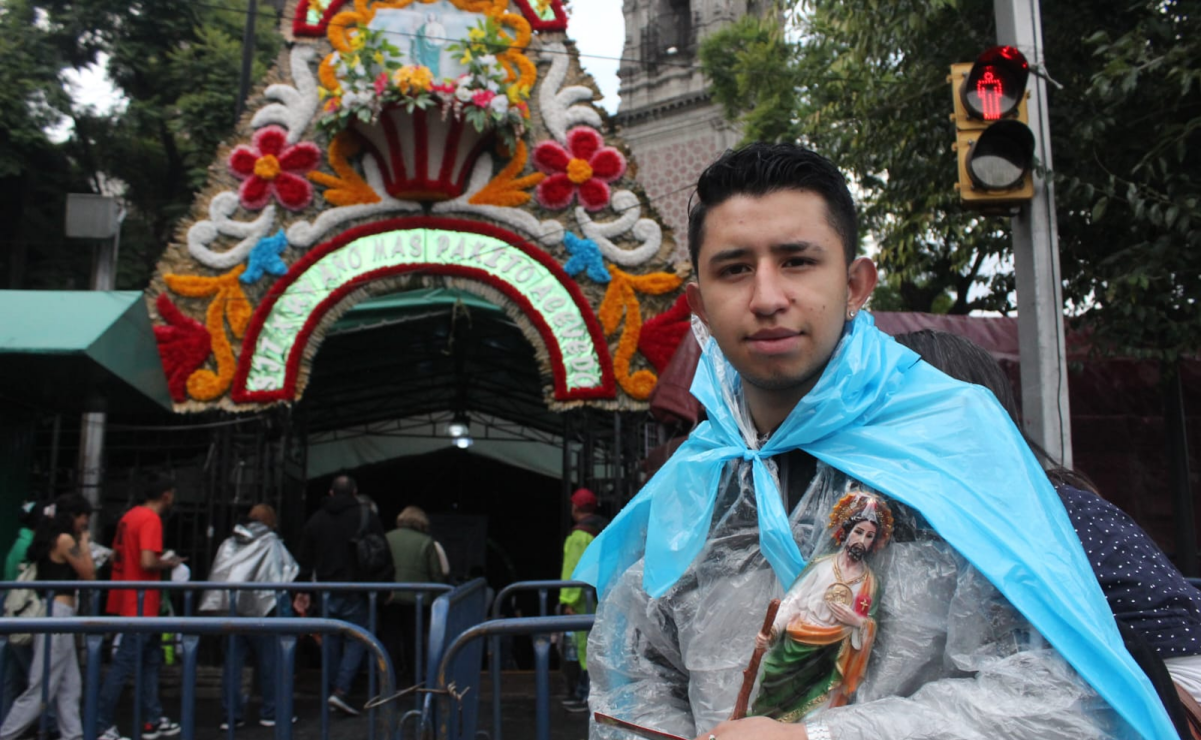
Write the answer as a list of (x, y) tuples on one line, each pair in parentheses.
[(838, 593)]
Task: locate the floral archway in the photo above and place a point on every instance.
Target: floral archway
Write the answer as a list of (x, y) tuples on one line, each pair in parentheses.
[(462, 121)]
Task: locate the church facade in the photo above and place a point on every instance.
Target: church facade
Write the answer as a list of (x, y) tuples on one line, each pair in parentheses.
[(667, 117)]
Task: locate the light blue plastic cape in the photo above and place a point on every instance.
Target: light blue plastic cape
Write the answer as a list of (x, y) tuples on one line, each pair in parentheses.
[(943, 447)]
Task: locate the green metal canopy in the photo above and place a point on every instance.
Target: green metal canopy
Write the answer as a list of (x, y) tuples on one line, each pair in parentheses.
[(79, 351)]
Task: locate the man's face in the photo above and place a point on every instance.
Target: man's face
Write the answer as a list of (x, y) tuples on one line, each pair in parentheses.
[(168, 500), (774, 287), (860, 540)]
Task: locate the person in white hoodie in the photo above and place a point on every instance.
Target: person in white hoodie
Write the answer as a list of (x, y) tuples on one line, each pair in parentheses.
[(254, 553)]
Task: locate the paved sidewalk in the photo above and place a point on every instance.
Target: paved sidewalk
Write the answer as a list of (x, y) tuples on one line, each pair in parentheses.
[(517, 708)]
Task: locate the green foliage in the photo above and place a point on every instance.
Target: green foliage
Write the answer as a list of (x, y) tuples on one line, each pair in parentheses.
[(1129, 174), (177, 66), (865, 86), (864, 82)]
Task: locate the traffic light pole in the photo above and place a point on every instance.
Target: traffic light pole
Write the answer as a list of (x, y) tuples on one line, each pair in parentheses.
[(1045, 413)]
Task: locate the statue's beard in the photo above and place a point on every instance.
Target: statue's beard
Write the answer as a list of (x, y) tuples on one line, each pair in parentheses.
[(856, 552)]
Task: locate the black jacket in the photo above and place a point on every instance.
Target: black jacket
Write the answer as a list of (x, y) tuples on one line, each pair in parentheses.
[(326, 548)]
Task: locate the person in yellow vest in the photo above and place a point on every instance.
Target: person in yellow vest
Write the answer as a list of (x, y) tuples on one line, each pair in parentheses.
[(588, 524)]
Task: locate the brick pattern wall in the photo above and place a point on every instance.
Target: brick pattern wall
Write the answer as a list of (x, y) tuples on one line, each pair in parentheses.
[(668, 173)]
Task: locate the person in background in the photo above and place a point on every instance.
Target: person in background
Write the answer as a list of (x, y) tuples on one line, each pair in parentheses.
[(27, 521), (327, 555), (16, 668), (1158, 610), (138, 556), (587, 525), (61, 551), (254, 553), (416, 557)]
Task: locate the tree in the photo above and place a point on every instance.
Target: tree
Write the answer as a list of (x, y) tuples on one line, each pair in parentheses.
[(177, 66), (864, 82), (35, 173), (864, 87)]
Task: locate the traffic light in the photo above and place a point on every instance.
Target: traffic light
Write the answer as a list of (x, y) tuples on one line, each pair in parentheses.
[(994, 146)]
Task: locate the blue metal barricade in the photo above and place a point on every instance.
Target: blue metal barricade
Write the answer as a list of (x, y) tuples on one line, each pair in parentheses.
[(451, 709), (286, 632), (542, 643), (537, 626), (93, 589)]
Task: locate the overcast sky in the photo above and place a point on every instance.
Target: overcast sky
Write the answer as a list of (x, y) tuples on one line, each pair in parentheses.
[(596, 25), (599, 29)]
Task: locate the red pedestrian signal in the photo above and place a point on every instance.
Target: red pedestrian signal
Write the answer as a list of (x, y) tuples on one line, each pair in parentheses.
[(995, 147)]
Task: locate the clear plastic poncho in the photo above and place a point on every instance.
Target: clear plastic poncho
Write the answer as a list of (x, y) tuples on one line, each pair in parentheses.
[(253, 554), (985, 591)]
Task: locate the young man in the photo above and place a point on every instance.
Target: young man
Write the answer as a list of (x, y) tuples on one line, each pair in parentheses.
[(806, 401), (138, 556)]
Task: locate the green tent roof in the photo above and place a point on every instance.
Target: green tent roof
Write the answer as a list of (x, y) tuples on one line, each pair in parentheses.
[(79, 351)]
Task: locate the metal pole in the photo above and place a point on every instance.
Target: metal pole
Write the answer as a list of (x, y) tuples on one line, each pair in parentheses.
[(542, 687), (1177, 446), (252, 10), (91, 453), (1045, 413), (91, 447)]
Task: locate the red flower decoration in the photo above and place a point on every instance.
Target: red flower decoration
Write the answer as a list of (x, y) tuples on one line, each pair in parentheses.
[(661, 335), (183, 344), (586, 166), (271, 167)]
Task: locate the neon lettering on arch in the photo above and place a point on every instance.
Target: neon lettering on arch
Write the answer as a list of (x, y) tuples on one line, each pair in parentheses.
[(283, 323)]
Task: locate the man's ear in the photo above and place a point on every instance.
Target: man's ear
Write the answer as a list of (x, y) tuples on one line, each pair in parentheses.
[(862, 277), (695, 302)]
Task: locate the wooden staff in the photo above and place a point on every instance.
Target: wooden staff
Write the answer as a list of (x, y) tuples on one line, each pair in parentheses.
[(752, 669)]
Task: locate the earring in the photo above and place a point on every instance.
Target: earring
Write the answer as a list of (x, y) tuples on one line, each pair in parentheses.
[(850, 314)]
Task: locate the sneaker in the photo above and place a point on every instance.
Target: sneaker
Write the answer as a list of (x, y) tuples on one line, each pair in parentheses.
[(238, 724), (264, 722), (111, 734), (575, 705), (163, 728), (336, 701)]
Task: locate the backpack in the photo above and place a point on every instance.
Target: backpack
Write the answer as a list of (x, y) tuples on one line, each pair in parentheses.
[(372, 556), (24, 603)]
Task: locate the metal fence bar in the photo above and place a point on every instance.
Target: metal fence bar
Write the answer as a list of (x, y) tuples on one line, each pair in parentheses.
[(519, 626), (91, 701), (189, 588), (419, 648), (371, 604), (184, 586), (285, 647), (494, 641), (44, 719), (147, 627), (451, 615), (326, 656), (189, 645), (137, 670)]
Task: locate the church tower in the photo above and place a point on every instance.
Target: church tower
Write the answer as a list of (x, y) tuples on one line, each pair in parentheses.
[(666, 115)]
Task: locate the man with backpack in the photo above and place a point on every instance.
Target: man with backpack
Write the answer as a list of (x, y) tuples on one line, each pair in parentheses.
[(343, 542)]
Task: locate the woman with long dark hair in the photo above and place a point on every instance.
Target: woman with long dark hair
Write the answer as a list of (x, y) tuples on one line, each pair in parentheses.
[(61, 550)]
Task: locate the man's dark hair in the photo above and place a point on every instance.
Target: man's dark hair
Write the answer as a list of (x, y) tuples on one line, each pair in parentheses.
[(762, 169), (156, 485), (66, 508), (343, 485)]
